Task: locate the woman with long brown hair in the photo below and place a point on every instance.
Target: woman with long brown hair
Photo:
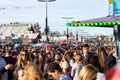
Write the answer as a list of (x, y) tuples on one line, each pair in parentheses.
[(98, 59), (22, 59), (40, 61)]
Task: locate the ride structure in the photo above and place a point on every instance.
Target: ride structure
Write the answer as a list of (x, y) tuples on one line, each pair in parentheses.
[(112, 21)]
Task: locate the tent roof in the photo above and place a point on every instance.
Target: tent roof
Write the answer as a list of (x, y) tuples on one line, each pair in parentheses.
[(103, 19), (108, 21)]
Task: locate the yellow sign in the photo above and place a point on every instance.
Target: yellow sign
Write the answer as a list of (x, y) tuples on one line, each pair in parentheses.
[(110, 1), (117, 43)]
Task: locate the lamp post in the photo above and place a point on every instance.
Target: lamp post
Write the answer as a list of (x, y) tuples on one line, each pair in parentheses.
[(67, 27), (46, 19), (76, 34)]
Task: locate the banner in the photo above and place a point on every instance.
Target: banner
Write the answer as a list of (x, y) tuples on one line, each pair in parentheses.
[(116, 6)]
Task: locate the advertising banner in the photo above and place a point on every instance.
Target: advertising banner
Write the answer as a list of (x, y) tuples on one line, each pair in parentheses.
[(116, 6)]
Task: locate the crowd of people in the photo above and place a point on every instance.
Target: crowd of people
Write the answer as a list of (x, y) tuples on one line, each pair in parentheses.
[(81, 62)]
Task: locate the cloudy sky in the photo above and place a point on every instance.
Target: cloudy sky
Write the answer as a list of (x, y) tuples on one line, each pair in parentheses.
[(31, 11)]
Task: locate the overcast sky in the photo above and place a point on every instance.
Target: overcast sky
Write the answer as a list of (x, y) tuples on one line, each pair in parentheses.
[(34, 11)]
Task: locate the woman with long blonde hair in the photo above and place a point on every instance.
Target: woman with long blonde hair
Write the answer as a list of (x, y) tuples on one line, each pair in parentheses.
[(77, 66), (32, 72), (18, 74), (88, 72)]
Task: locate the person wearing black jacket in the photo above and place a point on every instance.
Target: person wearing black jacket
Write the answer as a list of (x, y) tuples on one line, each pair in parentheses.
[(110, 61), (0, 76), (4, 67), (9, 60)]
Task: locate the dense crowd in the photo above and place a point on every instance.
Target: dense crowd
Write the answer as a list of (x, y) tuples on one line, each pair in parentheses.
[(81, 62)]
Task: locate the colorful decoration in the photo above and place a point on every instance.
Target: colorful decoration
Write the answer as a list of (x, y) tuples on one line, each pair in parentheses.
[(100, 24)]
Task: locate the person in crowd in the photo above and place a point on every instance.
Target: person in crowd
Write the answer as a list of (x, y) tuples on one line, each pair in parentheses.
[(35, 54), (32, 72), (52, 55), (41, 62), (19, 74), (108, 49), (77, 66), (57, 58), (56, 72), (86, 54), (66, 68), (110, 60), (98, 59), (48, 57), (75, 52), (9, 60), (15, 56), (4, 67), (72, 60), (22, 59), (101, 58), (88, 72)]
